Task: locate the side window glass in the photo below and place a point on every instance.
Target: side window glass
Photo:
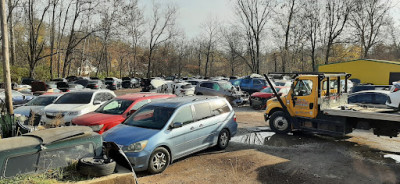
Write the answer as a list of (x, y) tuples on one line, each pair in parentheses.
[(380, 99), (246, 81), (138, 105), (303, 88), (215, 86), (184, 116), (202, 111), (219, 107), (98, 97), (257, 82), (365, 98)]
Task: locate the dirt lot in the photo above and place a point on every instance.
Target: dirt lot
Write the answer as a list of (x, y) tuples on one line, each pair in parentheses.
[(256, 155)]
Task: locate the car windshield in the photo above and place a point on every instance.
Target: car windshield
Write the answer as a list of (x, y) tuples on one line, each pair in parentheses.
[(152, 117), (269, 90), (75, 98), (41, 101), (226, 86), (116, 106)]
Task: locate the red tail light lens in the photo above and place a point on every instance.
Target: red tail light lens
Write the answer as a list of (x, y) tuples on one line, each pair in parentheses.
[(396, 89), (264, 87), (234, 117)]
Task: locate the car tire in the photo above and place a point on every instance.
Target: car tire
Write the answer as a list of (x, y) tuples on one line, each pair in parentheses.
[(96, 167), (280, 123), (199, 93), (159, 160), (223, 139)]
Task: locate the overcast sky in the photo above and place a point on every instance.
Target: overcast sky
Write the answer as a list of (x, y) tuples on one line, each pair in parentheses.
[(194, 12)]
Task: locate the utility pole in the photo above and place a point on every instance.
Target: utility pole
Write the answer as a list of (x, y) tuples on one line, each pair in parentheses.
[(6, 58)]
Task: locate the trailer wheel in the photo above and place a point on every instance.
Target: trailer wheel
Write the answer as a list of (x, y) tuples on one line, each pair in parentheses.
[(280, 123)]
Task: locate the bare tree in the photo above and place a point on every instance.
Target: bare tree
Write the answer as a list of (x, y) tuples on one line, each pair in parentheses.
[(253, 16), (161, 29), (34, 53), (233, 42), (210, 29), (285, 20), (74, 39), (337, 14), (312, 25), (52, 35), (368, 19), (133, 22), (12, 4)]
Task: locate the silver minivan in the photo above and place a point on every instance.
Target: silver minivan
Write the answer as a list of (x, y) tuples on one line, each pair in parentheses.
[(163, 131)]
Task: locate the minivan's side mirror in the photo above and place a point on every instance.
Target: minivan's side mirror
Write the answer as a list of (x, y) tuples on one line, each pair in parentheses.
[(97, 102), (176, 125)]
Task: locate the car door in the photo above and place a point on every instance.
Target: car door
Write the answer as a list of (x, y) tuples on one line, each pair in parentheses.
[(210, 127), (180, 138), (303, 98), (202, 127)]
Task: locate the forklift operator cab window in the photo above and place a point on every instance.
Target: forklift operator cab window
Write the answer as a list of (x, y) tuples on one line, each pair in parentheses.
[(303, 88)]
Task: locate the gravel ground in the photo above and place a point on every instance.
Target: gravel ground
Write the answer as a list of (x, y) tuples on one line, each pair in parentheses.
[(256, 155)]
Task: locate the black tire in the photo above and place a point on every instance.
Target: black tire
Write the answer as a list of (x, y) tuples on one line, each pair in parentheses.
[(159, 160), (90, 166), (280, 123), (199, 93), (223, 139)]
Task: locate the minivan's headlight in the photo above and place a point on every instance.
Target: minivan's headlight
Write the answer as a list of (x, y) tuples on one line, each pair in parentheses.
[(136, 147)]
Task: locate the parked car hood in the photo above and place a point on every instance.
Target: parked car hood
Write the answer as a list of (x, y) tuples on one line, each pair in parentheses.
[(262, 95), (126, 135), (25, 110), (95, 118), (65, 107)]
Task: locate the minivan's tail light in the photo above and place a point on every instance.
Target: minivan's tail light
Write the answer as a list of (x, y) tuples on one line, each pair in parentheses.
[(234, 117), (396, 89)]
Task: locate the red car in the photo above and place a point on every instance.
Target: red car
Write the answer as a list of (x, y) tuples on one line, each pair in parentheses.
[(115, 111), (258, 100)]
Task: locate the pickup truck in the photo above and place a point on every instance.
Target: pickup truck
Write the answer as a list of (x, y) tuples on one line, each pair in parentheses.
[(317, 103)]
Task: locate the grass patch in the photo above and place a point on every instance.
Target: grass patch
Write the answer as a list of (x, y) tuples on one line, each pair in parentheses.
[(60, 175)]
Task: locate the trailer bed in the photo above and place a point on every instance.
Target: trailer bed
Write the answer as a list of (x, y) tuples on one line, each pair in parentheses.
[(364, 113)]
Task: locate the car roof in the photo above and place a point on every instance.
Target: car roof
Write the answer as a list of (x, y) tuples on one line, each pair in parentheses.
[(135, 96), (56, 134), (91, 91), (51, 94), (179, 101)]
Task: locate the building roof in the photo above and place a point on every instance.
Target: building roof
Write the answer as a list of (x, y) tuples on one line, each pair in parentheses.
[(372, 60)]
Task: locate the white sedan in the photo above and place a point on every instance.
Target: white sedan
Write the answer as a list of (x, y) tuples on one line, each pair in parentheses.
[(394, 96), (74, 104)]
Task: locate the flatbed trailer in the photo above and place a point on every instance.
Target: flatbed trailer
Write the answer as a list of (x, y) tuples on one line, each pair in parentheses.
[(314, 105)]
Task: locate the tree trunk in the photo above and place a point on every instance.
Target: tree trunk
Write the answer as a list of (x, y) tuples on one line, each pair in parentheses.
[(52, 35), (149, 64)]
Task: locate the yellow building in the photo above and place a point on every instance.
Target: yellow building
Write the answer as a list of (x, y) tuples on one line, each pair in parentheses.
[(377, 72)]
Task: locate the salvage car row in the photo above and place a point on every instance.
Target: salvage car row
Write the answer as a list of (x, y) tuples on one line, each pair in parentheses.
[(153, 129)]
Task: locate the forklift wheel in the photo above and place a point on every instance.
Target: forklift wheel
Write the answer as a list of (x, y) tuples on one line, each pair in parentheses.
[(280, 123)]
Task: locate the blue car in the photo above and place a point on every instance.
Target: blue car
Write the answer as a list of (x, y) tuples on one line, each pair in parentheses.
[(250, 85), (163, 131)]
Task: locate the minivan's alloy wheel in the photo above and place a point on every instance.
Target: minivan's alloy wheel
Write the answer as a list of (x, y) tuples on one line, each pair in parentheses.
[(280, 123), (223, 139), (159, 160)]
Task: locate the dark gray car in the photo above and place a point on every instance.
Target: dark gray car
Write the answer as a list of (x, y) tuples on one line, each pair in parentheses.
[(222, 89)]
